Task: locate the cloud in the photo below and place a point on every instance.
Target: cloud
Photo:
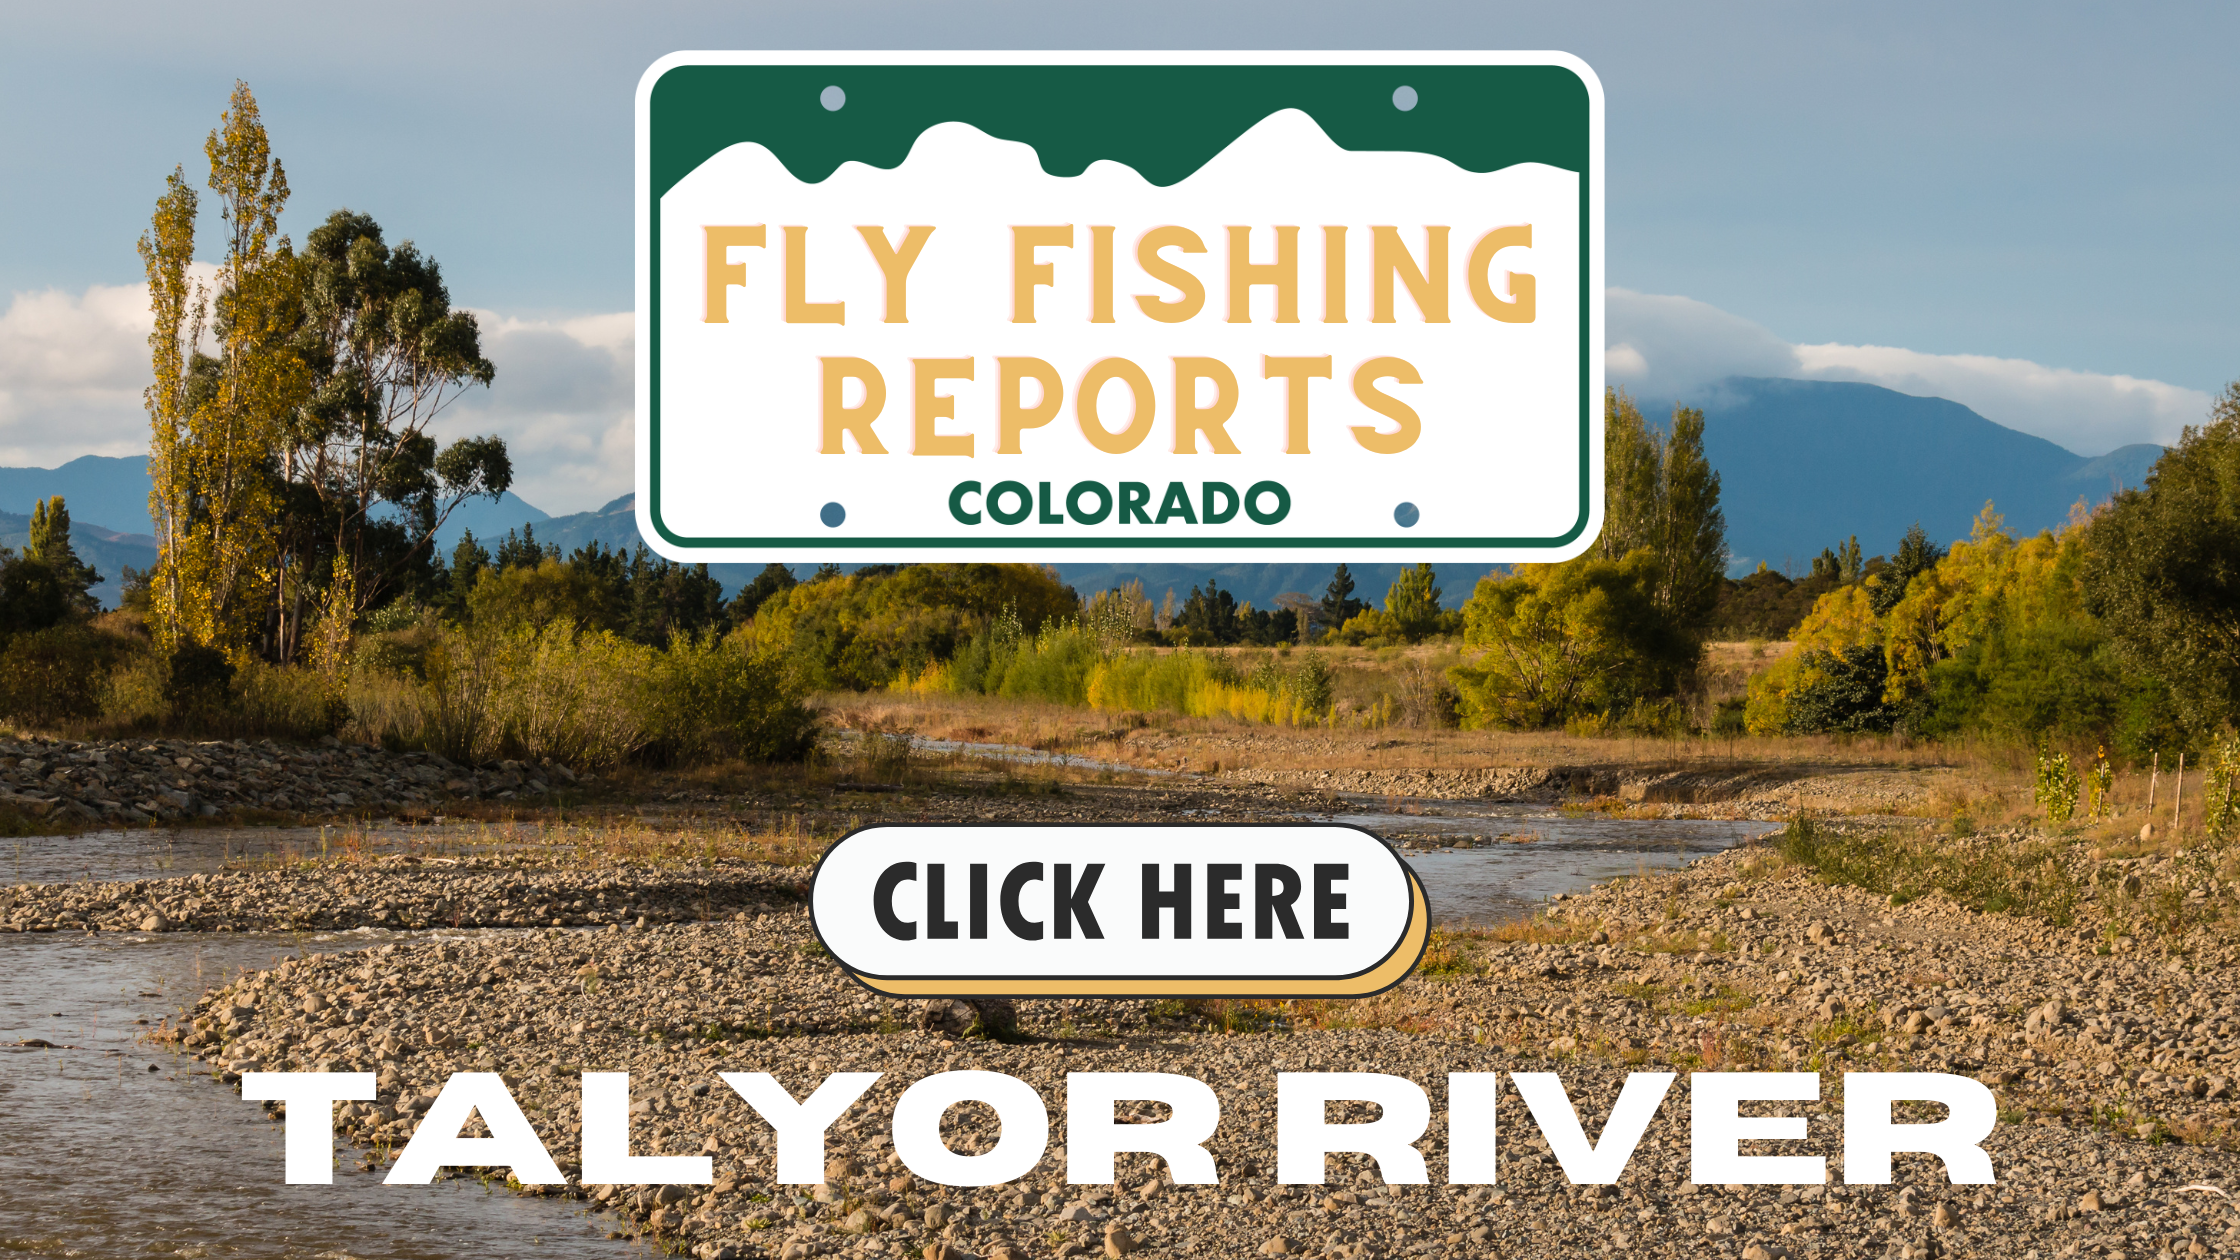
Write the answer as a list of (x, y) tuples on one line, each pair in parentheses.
[(72, 368), (1669, 347), (71, 371), (563, 401), (2089, 413)]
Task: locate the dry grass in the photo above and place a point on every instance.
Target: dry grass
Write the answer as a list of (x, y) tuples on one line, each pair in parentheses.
[(1168, 740)]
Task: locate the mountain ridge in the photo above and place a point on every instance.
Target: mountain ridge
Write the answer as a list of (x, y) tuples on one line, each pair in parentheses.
[(1802, 464)]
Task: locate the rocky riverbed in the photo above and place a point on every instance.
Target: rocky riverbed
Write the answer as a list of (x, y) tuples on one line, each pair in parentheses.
[(404, 892), (2113, 1048), (127, 782)]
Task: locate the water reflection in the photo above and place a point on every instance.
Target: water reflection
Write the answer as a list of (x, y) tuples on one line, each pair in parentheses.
[(1501, 880), (100, 1156)]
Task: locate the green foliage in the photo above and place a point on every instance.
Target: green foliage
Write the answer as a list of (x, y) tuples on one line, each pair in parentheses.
[(775, 579), (1916, 555), (2100, 786), (1338, 604), (1567, 640), (592, 699), (199, 683), (32, 597), (643, 597), (2164, 573), (871, 629), (50, 545), (1662, 495), (1843, 692), (1766, 604), (2221, 787), (2055, 785), (1413, 604), (368, 485), (1310, 683)]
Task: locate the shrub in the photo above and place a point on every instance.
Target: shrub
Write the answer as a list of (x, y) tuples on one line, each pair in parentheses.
[(50, 675), (198, 684), (2056, 786), (1565, 641), (1842, 691), (711, 698), (595, 700)]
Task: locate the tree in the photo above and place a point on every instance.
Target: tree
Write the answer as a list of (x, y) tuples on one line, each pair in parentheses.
[(1691, 531), (1916, 556), (668, 599), (1209, 617), (1412, 603), (50, 545), (520, 550), (1559, 641), (1338, 604), (1661, 494), (469, 560), (1631, 472), (215, 422), (775, 579), (2163, 569), (387, 353)]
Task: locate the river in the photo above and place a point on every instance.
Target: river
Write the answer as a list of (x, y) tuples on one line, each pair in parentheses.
[(114, 1147)]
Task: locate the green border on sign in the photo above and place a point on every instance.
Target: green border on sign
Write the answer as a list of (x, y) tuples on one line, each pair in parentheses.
[(1165, 121)]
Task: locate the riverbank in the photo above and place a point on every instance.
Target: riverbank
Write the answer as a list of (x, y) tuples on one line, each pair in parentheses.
[(2114, 1070)]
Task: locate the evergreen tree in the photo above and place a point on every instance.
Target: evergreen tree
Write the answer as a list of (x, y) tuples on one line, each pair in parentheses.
[(521, 551), (1338, 604), (1413, 603), (1916, 555), (469, 561), (50, 546), (1210, 616), (775, 579)]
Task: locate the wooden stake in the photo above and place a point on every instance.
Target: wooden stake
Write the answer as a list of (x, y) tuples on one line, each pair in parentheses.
[(2178, 811), (2153, 775)]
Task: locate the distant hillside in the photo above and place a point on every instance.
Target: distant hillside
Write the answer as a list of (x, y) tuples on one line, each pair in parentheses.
[(110, 490), (113, 490), (1805, 464)]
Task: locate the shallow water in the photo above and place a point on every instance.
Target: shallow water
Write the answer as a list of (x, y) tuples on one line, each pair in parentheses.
[(1505, 879), (166, 853), (99, 1156)]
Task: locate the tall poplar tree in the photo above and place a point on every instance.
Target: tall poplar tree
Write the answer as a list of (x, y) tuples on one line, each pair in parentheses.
[(216, 420), (1661, 493)]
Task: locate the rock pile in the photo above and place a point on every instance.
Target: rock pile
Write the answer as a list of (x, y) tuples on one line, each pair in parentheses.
[(124, 782)]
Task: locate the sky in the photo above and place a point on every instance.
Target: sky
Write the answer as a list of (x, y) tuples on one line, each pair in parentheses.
[(2024, 208)]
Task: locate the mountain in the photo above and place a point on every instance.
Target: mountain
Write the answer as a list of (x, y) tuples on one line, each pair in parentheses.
[(1806, 464), (1803, 465), (111, 489)]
